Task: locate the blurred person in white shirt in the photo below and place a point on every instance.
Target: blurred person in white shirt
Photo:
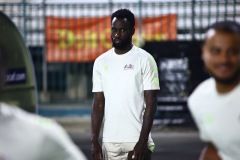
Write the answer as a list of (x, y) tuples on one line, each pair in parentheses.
[(215, 104), (25, 136)]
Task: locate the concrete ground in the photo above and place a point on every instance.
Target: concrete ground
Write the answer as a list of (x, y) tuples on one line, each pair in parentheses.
[(171, 143)]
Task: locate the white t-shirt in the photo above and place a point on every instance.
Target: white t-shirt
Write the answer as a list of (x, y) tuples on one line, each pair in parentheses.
[(123, 79), (218, 118), (25, 136)]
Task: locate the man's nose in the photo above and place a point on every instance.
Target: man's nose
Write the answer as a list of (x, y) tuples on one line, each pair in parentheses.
[(117, 33), (225, 56)]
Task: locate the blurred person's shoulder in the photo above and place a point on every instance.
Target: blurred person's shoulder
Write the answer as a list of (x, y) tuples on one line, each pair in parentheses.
[(31, 123), (12, 111), (202, 92), (201, 88), (46, 134), (15, 113)]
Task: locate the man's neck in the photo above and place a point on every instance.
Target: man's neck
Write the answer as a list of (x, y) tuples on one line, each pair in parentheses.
[(225, 88), (124, 50)]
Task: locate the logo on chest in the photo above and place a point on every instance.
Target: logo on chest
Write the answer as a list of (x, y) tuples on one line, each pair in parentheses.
[(128, 67)]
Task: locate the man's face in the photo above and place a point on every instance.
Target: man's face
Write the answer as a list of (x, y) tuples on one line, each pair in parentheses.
[(121, 33), (221, 55)]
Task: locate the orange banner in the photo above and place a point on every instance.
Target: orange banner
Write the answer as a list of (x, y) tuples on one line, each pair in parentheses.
[(84, 39)]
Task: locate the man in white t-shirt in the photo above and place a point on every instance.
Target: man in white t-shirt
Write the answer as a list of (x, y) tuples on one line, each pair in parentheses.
[(215, 104), (25, 136), (125, 85)]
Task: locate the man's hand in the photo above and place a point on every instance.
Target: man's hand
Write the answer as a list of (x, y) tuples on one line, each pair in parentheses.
[(209, 153), (140, 151), (96, 151)]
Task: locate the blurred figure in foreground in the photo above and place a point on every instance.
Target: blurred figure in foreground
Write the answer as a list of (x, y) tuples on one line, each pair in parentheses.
[(24, 136), (215, 104)]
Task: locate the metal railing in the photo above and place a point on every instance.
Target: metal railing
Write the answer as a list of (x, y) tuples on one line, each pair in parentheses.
[(71, 81)]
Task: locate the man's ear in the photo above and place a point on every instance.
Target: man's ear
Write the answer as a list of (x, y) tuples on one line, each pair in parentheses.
[(132, 31)]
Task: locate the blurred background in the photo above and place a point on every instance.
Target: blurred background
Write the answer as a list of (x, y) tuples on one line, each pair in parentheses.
[(65, 37)]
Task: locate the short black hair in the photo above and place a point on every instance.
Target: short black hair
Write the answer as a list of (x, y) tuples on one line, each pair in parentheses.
[(124, 13), (225, 26)]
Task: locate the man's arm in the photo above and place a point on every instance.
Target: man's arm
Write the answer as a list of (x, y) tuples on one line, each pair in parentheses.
[(209, 153), (96, 122), (141, 148)]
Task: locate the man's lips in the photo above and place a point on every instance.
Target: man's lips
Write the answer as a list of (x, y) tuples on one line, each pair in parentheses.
[(117, 40), (224, 68)]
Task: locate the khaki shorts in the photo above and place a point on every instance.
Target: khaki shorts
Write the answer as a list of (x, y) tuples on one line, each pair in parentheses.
[(117, 151)]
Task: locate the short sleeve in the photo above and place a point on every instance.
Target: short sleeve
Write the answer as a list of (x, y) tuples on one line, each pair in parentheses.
[(150, 74), (97, 78)]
